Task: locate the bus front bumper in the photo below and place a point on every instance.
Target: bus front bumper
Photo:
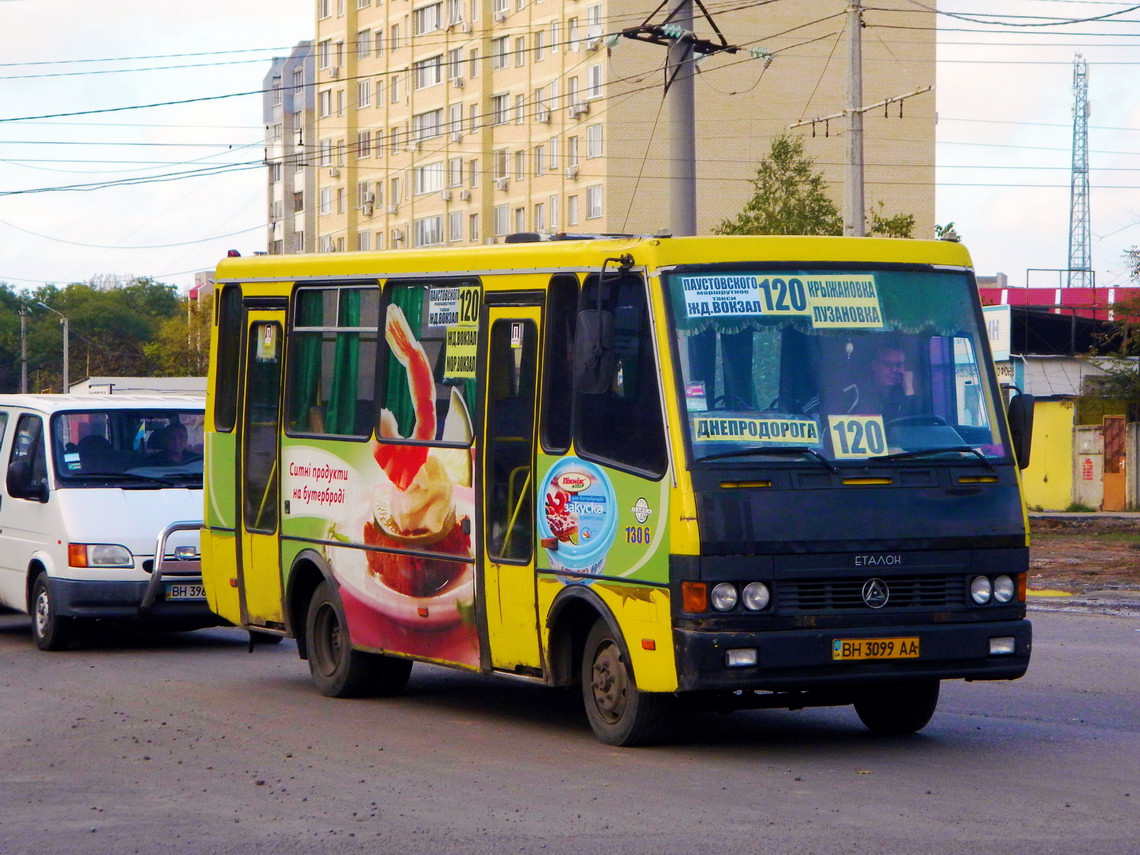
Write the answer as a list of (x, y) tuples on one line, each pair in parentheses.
[(800, 660)]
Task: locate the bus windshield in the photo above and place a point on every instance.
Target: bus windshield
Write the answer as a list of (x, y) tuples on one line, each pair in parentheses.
[(128, 447), (825, 365)]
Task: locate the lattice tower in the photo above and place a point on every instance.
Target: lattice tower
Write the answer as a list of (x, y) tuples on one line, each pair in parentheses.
[(1080, 253)]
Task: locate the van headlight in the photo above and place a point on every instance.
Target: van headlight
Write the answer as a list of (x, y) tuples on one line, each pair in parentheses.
[(99, 555)]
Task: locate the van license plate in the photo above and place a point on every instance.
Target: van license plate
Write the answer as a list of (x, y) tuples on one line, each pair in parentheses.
[(183, 591), (853, 649)]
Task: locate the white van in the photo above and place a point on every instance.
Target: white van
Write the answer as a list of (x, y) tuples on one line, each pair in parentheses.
[(92, 484)]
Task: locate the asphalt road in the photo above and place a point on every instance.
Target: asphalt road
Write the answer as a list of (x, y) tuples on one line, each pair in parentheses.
[(152, 743)]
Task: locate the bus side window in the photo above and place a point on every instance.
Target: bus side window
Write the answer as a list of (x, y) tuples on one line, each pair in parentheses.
[(332, 361), (558, 363), (226, 373), (623, 425)]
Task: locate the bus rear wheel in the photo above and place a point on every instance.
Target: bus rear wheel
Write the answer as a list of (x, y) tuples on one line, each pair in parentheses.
[(898, 709), (619, 713), (337, 670)]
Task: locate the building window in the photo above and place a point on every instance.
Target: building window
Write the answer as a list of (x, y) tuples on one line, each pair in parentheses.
[(455, 64), (326, 200), (594, 141), (428, 178), (426, 125), (324, 103), (378, 42), (520, 52), (364, 44), (427, 19), (455, 226), (324, 52), (499, 51), (594, 81), (539, 160), (502, 222), (520, 220), (473, 60), (394, 37), (473, 173), (324, 153), (539, 217), (539, 45), (500, 163), (362, 241), (593, 202), (455, 172), (473, 228), (427, 72), (364, 144), (500, 109), (428, 231), (553, 206), (520, 109), (571, 210), (363, 94), (555, 36), (520, 166)]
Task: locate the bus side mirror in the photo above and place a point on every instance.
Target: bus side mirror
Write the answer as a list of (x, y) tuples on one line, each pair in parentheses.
[(594, 352), (20, 484), (1021, 427)]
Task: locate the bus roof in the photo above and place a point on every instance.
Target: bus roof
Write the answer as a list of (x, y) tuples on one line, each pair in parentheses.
[(650, 253)]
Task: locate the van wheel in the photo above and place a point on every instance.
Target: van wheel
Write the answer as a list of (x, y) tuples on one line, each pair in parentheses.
[(898, 709), (619, 713), (337, 670), (49, 630)]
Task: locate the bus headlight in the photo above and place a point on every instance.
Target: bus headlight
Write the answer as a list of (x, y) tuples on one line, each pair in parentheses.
[(756, 596), (981, 590), (723, 596), (1004, 589)]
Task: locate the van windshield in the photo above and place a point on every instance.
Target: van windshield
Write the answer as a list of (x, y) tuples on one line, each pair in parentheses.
[(128, 447), (833, 365)]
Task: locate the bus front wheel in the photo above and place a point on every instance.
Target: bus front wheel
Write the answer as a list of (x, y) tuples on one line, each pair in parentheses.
[(897, 709), (619, 713), (337, 670)]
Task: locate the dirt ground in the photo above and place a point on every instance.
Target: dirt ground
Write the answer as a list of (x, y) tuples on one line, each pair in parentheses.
[(1080, 554)]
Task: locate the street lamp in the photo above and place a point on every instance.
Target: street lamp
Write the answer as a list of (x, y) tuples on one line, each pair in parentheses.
[(66, 342)]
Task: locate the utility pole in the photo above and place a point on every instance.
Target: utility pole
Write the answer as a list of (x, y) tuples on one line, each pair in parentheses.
[(682, 120), (23, 349), (854, 222), (676, 33), (854, 208)]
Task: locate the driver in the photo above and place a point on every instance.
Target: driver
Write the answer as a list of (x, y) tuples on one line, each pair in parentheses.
[(892, 388)]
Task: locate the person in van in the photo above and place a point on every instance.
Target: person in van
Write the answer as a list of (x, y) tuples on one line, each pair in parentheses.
[(172, 447)]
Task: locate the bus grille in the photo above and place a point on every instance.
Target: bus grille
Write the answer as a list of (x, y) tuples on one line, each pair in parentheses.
[(906, 592)]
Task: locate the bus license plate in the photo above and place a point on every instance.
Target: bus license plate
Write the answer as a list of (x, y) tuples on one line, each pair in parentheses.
[(853, 649), (184, 591)]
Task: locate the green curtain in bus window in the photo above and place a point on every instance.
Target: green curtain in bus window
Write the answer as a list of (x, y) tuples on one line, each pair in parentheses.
[(397, 396), (341, 416), (913, 302), (306, 380)]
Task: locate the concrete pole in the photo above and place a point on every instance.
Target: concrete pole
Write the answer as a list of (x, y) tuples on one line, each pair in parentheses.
[(23, 350), (853, 206), (66, 355), (682, 139)]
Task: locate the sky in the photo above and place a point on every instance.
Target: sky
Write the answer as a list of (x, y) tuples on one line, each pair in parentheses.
[(1004, 93)]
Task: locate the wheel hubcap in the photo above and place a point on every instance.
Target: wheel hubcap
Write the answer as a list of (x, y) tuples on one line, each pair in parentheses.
[(610, 682), (43, 612)]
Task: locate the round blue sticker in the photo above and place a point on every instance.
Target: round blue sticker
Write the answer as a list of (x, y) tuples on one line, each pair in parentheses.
[(579, 512)]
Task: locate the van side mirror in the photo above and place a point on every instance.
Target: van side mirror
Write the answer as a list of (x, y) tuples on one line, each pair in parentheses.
[(20, 484), (1020, 411), (594, 352)]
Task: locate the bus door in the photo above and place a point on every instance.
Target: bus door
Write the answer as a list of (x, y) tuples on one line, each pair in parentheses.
[(259, 547), (508, 487)]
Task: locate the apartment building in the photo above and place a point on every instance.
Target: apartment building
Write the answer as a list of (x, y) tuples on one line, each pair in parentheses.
[(462, 121), (290, 122)]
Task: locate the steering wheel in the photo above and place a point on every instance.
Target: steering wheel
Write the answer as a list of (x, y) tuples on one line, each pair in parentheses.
[(727, 400), (921, 419)]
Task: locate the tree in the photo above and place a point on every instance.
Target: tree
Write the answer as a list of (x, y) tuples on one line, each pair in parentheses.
[(791, 199), (181, 346), (1118, 351)]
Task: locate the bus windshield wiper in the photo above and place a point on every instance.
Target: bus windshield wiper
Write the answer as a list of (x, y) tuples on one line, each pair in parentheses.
[(922, 452), (779, 450)]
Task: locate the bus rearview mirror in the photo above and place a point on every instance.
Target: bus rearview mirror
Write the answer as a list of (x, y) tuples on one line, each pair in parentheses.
[(1021, 427), (593, 352)]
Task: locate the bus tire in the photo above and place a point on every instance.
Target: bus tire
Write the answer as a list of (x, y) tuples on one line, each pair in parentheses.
[(337, 670), (50, 631), (898, 709), (618, 712)]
